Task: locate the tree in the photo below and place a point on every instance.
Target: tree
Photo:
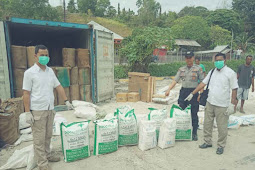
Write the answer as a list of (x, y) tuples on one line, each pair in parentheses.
[(246, 8), (71, 6), (34, 9), (148, 11), (171, 17), (85, 5), (219, 36), (245, 41), (225, 18), (111, 12), (138, 48), (194, 11), (101, 7), (118, 9), (192, 27)]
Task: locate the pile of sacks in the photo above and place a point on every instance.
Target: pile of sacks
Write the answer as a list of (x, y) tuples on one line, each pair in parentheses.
[(234, 122), (160, 97), (125, 128)]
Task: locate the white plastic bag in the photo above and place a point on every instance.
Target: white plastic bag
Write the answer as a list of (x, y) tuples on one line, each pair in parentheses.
[(167, 133), (58, 119), (158, 115), (22, 121), (75, 140), (183, 122), (85, 112), (77, 103), (248, 119), (139, 118), (128, 134), (24, 138), (147, 135), (20, 159), (234, 122), (26, 131), (106, 136)]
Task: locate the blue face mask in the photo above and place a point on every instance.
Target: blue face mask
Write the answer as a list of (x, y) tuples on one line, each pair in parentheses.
[(219, 64), (44, 60)]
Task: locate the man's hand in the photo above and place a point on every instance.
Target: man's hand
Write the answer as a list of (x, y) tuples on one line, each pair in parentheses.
[(167, 93), (29, 118), (198, 98), (231, 109), (190, 96), (252, 89), (69, 105), (234, 101)]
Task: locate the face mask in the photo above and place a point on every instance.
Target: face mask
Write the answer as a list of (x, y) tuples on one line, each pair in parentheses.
[(219, 64), (44, 60)]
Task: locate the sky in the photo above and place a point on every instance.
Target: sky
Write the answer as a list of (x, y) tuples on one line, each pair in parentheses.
[(174, 5), (167, 5)]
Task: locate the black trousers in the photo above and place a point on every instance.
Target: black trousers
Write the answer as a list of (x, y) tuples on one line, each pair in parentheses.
[(184, 92), (2, 143)]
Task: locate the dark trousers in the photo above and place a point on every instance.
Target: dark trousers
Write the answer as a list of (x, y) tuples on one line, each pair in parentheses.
[(184, 92), (2, 143)]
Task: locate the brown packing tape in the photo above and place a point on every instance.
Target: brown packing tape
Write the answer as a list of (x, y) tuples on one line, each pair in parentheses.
[(84, 76), (19, 57), (82, 57), (18, 75), (31, 60), (74, 76), (85, 93), (74, 92), (68, 57)]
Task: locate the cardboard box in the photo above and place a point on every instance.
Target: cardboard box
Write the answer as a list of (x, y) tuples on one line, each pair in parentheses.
[(122, 97), (134, 97), (143, 84)]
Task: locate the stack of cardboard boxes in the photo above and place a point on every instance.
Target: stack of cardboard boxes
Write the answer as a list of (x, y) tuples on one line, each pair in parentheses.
[(141, 87), (73, 73)]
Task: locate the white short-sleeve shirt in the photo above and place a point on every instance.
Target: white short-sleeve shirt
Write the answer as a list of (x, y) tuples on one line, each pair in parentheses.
[(41, 85), (221, 84)]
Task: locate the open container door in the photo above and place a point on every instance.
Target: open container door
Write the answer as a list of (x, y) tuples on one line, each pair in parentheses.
[(104, 65), (5, 91)]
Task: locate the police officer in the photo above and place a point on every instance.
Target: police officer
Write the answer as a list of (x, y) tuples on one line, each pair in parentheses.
[(189, 74)]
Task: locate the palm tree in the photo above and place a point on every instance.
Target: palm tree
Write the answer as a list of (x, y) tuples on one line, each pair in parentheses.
[(244, 41)]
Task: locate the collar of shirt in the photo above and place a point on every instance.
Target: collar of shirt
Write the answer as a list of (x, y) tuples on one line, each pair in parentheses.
[(38, 69)]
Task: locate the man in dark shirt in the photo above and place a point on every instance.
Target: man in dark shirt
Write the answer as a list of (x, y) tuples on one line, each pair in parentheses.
[(245, 76)]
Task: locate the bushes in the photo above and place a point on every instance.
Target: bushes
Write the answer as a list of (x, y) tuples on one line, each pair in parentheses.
[(120, 72), (161, 70)]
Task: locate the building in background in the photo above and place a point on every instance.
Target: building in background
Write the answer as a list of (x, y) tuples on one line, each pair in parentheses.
[(209, 55)]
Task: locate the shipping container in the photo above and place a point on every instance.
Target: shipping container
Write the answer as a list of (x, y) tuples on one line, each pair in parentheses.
[(58, 35)]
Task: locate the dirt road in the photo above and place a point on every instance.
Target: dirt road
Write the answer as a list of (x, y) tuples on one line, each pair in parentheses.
[(239, 152)]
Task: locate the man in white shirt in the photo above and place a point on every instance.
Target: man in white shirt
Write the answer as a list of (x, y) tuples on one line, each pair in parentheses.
[(238, 53), (223, 81), (38, 85)]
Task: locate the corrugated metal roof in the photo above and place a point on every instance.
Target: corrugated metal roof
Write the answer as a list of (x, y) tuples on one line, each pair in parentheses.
[(185, 42), (220, 48), (102, 28)]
